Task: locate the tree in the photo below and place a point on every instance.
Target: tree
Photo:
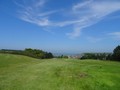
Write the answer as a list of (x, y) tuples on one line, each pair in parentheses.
[(116, 53), (48, 55), (109, 57)]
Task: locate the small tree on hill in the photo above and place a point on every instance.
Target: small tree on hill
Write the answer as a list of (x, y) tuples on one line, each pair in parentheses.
[(116, 53)]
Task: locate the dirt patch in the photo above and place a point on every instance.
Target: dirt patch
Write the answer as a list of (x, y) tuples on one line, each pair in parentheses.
[(82, 75)]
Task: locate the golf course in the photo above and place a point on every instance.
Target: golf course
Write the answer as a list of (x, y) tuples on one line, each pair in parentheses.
[(19, 72)]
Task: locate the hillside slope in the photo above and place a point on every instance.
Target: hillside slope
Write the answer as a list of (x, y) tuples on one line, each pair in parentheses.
[(24, 73)]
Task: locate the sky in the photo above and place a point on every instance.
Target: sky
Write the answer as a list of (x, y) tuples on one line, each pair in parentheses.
[(60, 26)]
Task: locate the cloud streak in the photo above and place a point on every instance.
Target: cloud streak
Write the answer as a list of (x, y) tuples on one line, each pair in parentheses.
[(84, 14), (90, 13), (33, 13), (94, 39), (115, 35)]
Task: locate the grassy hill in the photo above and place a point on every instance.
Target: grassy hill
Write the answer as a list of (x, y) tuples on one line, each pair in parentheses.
[(24, 73)]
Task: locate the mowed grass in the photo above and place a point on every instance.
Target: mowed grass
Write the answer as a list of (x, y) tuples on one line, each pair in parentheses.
[(24, 73)]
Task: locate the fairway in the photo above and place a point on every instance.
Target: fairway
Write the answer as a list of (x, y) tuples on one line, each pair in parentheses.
[(24, 73)]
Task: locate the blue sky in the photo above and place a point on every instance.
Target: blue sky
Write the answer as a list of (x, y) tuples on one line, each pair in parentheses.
[(60, 26)]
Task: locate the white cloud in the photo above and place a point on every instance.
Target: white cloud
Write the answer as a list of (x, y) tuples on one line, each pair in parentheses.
[(115, 35), (33, 13), (39, 3), (94, 39), (76, 33), (38, 21), (91, 12), (84, 14), (81, 5), (47, 13)]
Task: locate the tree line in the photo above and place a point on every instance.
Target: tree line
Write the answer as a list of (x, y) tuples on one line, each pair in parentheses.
[(40, 54), (35, 53), (98, 56), (115, 56)]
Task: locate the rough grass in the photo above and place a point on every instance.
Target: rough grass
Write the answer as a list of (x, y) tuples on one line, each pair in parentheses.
[(25, 73)]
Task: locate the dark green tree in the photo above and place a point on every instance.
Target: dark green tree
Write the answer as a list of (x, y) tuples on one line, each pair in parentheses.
[(116, 53)]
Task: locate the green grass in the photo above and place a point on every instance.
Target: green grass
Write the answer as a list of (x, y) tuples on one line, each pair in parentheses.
[(25, 73)]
